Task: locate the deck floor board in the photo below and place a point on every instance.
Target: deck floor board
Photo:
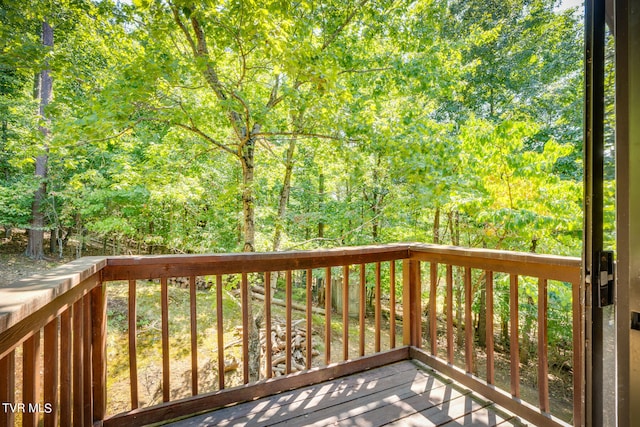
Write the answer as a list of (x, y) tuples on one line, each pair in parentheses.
[(401, 394)]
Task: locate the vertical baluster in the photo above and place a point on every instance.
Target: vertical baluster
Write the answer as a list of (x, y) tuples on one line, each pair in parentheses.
[(514, 346), (164, 308), (244, 296), (543, 368), (133, 345), (363, 291), (194, 335), (433, 297), (309, 347), (489, 327), (31, 377), (327, 316), (78, 362), (378, 308), (99, 351), (8, 387), (345, 312), (65, 367), (87, 366), (289, 312), (449, 315), (468, 323), (50, 372), (220, 334), (392, 304), (267, 314)]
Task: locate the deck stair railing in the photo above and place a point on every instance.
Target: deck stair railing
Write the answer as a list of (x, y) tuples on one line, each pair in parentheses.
[(54, 328)]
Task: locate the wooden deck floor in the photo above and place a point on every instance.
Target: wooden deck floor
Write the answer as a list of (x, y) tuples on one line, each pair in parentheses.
[(400, 394)]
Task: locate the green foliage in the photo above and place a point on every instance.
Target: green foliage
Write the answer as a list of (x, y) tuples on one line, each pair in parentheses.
[(399, 112)]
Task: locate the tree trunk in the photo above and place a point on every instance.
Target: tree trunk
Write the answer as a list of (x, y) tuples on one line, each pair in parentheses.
[(36, 232), (454, 224), (436, 226), (284, 194), (248, 206), (321, 205)]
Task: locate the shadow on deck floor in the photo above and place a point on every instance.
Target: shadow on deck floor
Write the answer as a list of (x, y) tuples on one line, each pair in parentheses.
[(401, 394)]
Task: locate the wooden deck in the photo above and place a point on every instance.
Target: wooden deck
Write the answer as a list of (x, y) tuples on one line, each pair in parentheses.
[(401, 394)]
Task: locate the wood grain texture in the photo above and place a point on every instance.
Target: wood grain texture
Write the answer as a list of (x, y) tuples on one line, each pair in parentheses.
[(468, 323), (193, 317), (267, 325), (248, 392), (51, 373), (378, 308), (449, 314), (133, 345), (220, 331), (345, 312), (166, 357), (362, 295), (489, 328), (78, 362), (309, 330), (543, 339), (515, 405), (514, 347), (8, 387), (433, 297), (327, 316), (392, 304), (99, 351), (31, 378)]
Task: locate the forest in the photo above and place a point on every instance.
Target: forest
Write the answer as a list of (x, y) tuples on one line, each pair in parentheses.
[(193, 126)]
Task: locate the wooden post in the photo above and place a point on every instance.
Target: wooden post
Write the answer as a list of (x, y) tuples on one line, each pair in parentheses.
[(288, 320), (78, 363), (543, 367), (468, 324), (268, 367), (362, 308), (489, 340), (220, 332), (166, 358), (378, 308), (65, 367), (449, 314), (133, 360), (87, 367), (31, 377), (327, 314), (514, 343), (392, 304), (7, 387), (50, 369), (345, 312), (433, 319), (411, 304), (309, 347), (244, 300), (193, 306), (99, 351)]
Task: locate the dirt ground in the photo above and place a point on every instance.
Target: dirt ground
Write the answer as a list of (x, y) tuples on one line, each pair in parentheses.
[(15, 265)]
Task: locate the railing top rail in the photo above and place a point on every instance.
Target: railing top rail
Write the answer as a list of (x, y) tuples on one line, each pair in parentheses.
[(26, 296), (142, 267), (551, 267)]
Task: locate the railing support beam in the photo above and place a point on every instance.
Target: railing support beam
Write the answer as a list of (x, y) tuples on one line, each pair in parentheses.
[(411, 304)]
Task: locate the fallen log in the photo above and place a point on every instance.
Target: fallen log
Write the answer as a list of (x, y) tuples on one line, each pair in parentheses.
[(294, 305)]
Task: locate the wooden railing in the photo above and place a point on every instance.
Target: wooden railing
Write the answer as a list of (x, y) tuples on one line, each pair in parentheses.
[(63, 381)]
